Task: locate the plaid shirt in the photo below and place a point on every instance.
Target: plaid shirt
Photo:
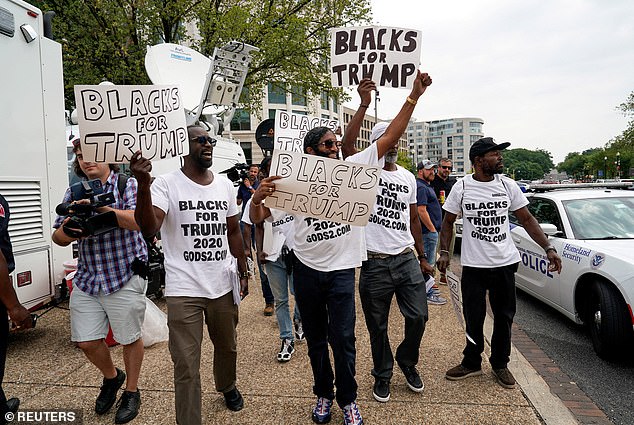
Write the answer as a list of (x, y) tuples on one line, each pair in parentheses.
[(105, 261)]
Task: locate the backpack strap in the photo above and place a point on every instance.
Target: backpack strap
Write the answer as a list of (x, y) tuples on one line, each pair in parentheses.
[(122, 182)]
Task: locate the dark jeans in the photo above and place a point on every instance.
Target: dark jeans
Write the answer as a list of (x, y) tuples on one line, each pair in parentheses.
[(4, 340), (326, 304), (380, 279), (500, 282)]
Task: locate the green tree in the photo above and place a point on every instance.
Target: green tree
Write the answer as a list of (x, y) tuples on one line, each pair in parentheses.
[(527, 164), (406, 161), (107, 39)]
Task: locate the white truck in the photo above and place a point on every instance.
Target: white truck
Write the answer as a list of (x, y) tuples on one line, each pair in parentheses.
[(33, 170)]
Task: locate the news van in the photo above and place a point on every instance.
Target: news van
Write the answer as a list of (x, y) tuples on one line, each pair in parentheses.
[(33, 176)]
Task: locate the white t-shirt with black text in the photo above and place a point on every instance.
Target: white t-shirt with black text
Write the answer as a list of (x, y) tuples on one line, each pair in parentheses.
[(486, 235), (388, 229), (194, 234), (327, 246)]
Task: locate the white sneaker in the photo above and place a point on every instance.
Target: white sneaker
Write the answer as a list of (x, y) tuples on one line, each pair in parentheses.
[(286, 351)]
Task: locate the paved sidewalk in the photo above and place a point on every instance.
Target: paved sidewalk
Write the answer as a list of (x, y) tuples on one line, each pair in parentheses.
[(47, 372)]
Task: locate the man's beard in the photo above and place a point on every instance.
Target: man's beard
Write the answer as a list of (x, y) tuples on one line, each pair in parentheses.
[(391, 158)]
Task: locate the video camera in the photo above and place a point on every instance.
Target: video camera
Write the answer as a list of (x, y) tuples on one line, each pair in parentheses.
[(238, 172), (84, 219)]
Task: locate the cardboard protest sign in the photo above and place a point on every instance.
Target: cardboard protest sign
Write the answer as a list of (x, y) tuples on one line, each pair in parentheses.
[(290, 129), (116, 121), (453, 282), (314, 186), (389, 56)]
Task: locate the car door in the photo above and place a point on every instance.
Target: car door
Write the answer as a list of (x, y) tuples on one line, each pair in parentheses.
[(532, 274)]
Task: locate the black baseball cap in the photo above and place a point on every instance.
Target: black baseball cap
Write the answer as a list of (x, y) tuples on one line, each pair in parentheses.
[(484, 145)]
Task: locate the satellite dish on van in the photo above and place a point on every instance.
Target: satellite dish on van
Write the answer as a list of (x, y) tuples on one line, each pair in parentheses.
[(179, 65)]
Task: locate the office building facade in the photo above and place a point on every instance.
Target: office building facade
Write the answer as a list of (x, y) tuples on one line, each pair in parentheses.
[(448, 138)]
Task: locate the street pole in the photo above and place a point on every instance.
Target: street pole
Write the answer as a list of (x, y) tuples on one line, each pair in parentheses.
[(618, 165), (605, 167)]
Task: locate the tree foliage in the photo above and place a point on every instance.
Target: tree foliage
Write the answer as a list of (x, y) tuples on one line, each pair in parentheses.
[(526, 164), (107, 39), (615, 159)]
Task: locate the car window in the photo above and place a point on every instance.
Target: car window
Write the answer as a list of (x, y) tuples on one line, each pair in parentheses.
[(601, 218), (545, 211)]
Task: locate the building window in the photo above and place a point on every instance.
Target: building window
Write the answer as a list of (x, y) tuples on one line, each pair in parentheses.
[(241, 120), (277, 93), (335, 106), (248, 152), (299, 112), (324, 100), (475, 127), (298, 97)]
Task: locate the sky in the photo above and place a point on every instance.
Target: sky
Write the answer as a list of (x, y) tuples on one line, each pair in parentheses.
[(541, 74)]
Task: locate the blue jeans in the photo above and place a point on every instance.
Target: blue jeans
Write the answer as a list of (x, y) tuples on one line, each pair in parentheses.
[(380, 280), (281, 284), (326, 302), (430, 240)]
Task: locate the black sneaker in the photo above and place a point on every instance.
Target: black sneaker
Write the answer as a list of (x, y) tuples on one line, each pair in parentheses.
[(108, 394), (234, 400), (414, 382), (286, 351), (129, 404), (381, 390), (299, 331), (13, 404)]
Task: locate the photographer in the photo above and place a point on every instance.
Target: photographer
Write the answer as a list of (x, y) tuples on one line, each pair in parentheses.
[(249, 183), (109, 287)]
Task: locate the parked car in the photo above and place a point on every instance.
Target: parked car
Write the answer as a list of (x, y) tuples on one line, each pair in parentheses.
[(593, 231)]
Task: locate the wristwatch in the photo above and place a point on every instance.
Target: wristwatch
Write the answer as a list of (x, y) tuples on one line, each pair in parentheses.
[(244, 275), (550, 248), (422, 257)]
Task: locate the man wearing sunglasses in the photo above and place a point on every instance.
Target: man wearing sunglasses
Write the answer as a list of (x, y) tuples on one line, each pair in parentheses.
[(442, 185), (324, 267), (196, 212)]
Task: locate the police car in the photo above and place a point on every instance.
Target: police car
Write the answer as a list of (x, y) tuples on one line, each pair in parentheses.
[(592, 229)]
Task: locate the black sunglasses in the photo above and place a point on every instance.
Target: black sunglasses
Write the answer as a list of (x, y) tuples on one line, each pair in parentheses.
[(444, 167), (203, 139), (330, 143)]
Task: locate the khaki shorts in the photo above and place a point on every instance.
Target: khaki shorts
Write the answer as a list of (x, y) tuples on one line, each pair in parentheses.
[(123, 310)]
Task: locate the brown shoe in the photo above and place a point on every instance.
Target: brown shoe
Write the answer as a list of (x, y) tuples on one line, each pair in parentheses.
[(443, 279), (504, 377), (269, 309), (460, 372)]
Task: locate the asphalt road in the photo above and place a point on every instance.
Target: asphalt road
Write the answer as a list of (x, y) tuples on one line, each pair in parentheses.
[(609, 385)]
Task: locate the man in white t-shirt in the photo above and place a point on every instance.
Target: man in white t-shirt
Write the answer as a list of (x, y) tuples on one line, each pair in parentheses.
[(323, 270), (196, 213), (392, 269), (488, 256)]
